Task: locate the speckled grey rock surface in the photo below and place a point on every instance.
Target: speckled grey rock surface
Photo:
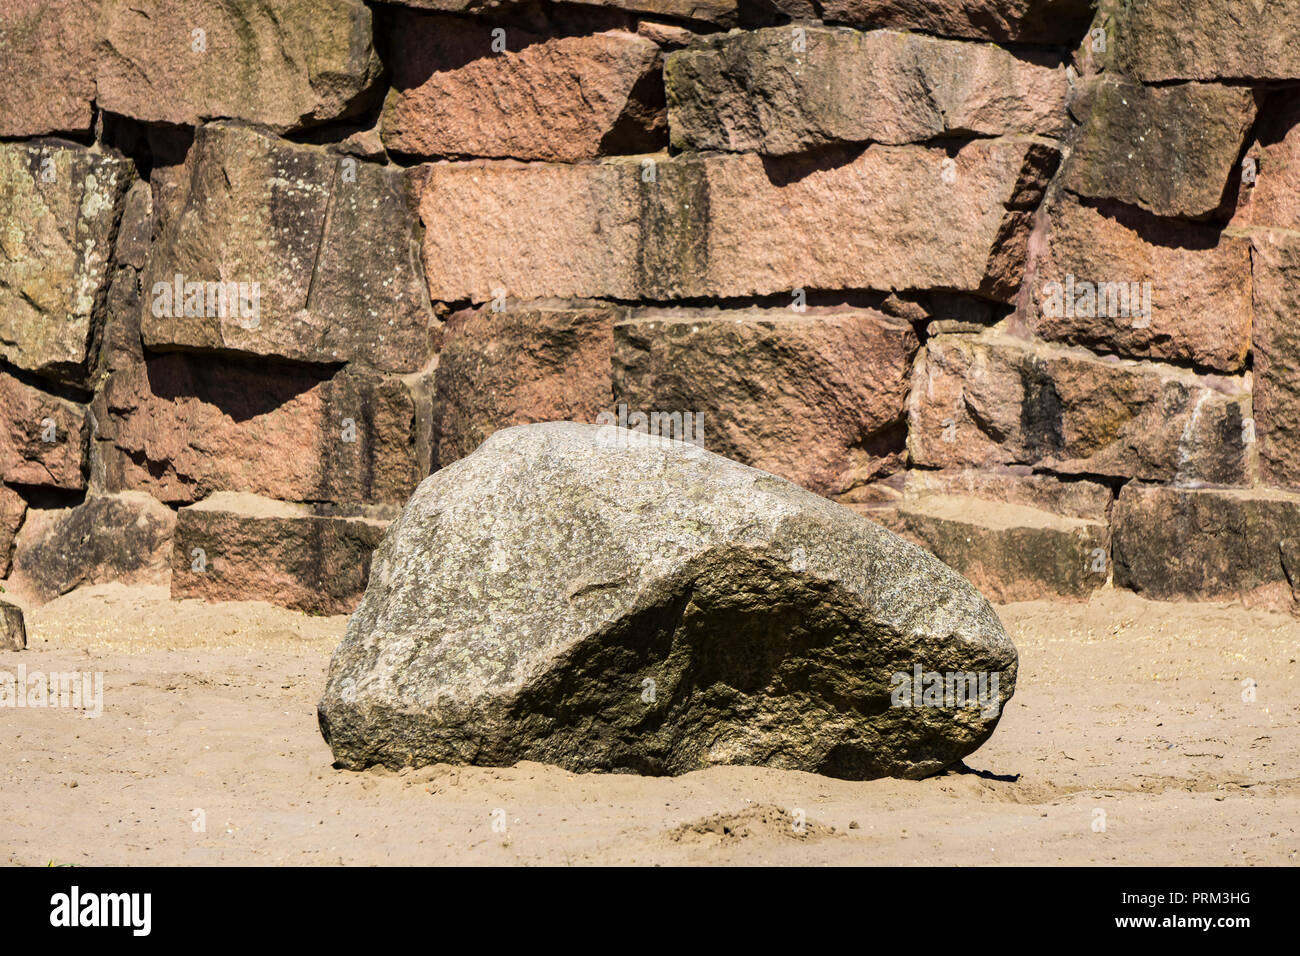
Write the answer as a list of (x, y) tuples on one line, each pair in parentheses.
[(605, 600)]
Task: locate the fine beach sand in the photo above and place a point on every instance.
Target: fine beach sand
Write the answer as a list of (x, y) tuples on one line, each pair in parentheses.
[(1124, 707)]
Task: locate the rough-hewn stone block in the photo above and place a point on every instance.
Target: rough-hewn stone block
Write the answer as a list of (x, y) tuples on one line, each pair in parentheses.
[(1119, 280), (284, 64), (237, 547), (1016, 21), (1015, 485), (724, 12), (48, 49), (1168, 149), (773, 92), (556, 98), (532, 362), (13, 508), (1270, 182), (42, 437), (1276, 335), (182, 427), (1010, 552), (60, 207), (1160, 40), (892, 217), (124, 537), (1232, 544), (316, 256), (817, 398), (13, 630), (978, 401)]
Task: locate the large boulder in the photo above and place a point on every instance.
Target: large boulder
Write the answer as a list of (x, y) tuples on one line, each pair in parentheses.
[(601, 599)]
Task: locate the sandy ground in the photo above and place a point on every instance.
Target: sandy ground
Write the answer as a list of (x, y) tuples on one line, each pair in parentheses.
[(1127, 713)]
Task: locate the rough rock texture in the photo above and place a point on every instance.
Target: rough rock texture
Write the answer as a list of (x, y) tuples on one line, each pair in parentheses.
[(1169, 150), (1161, 40), (13, 508), (42, 437), (599, 599), (60, 208), (726, 225), (1277, 355), (549, 98), (238, 547), (47, 47), (329, 241), (818, 398), (1011, 552), (991, 400), (284, 64), (13, 631), (1018, 21), (126, 537), (752, 91), (1272, 200), (182, 427), (1098, 262), (1230, 544), (532, 362)]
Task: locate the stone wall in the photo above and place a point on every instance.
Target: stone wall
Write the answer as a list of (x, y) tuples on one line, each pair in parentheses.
[(1017, 278)]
